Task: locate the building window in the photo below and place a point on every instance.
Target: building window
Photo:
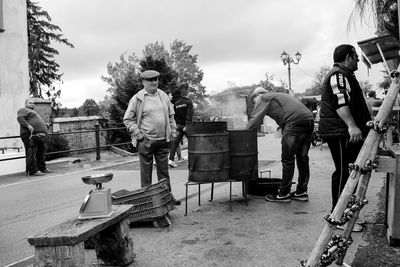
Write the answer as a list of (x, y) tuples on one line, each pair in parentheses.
[(1, 16)]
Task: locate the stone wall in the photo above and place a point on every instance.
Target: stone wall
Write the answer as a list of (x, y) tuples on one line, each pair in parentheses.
[(79, 140), (14, 75)]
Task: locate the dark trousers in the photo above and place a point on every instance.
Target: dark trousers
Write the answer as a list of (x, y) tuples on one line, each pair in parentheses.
[(177, 140), (295, 147), (35, 153), (159, 149), (343, 152)]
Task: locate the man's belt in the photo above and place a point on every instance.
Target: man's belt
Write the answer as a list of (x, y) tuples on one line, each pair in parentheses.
[(303, 124)]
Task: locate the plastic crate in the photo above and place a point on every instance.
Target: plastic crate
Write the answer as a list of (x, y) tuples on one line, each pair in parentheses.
[(150, 203)]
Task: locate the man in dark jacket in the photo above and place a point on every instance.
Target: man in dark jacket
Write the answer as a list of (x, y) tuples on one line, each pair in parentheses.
[(33, 131), (297, 124), (343, 115), (183, 115)]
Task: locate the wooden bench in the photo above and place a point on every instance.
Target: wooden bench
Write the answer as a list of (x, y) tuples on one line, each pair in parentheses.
[(63, 244)]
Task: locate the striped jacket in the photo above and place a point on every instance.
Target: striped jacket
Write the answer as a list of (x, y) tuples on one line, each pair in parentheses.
[(341, 88)]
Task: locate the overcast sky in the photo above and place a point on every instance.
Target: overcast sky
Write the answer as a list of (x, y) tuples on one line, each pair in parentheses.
[(237, 41)]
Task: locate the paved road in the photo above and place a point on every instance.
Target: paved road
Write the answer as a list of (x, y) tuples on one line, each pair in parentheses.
[(265, 234)]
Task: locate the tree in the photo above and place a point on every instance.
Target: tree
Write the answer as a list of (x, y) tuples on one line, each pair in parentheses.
[(318, 81), (176, 67), (180, 60), (89, 108), (157, 51), (105, 106), (124, 81), (43, 69), (186, 67), (384, 12)]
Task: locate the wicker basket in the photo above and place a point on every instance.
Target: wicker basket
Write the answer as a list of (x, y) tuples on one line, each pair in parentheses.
[(150, 203)]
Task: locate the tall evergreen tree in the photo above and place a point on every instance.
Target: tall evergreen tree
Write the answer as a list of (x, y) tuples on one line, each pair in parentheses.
[(43, 69)]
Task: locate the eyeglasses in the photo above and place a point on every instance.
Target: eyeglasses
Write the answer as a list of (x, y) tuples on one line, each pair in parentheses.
[(152, 79)]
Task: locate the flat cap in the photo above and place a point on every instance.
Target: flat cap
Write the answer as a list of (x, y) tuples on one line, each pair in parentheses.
[(149, 74)]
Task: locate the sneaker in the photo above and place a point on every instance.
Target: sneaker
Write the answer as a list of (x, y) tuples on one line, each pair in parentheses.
[(38, 173), (299, 197), (47, 171), (172, 163), (356, 229), (278, 198)]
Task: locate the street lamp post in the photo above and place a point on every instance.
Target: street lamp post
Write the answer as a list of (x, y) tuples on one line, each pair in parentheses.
[(286, 59)]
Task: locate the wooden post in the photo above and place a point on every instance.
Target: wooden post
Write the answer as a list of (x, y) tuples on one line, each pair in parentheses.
[(60, 256), (114, 246), (368, 151), (97, 136), (1, 16)]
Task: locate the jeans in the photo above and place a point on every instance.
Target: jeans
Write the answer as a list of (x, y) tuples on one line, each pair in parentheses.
[(343, 152), (176, 141), (159, 149), (35, 154), (296, 146)]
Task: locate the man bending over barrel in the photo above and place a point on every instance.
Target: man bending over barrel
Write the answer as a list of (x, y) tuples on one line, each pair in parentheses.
[(296, 122)]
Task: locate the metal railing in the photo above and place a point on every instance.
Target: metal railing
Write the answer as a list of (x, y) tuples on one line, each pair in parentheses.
[(97, 148)]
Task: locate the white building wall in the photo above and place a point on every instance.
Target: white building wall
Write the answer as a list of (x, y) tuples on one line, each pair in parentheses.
[(14, 76)]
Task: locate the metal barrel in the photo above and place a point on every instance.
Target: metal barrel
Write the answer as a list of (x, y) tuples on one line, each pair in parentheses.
[(206, 127), (208, 157), (243, 155)]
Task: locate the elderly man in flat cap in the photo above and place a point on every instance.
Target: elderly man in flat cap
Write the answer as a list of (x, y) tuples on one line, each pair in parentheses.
[(149, 119)]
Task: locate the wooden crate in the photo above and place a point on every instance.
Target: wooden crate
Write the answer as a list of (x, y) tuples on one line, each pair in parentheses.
[(150, 203)]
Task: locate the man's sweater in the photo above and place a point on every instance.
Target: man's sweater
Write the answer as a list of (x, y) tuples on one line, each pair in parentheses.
[(27, 116)]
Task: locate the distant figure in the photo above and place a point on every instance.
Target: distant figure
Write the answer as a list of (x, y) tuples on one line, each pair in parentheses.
[(344, 115), (183, 116), (33, 132), (372, 101), (149, 119), (297, 124)]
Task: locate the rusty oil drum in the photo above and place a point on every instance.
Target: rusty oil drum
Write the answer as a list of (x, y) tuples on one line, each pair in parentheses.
[(206, 127), (243, 155), (208, 157)]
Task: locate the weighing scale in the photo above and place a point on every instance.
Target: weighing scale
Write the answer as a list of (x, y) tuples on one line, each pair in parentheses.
[(97, 204)]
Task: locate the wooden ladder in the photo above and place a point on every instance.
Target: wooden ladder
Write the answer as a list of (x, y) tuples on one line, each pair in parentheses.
[(325, 244)]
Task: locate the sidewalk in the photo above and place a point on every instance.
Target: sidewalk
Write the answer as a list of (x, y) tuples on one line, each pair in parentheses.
[(257, 234)]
